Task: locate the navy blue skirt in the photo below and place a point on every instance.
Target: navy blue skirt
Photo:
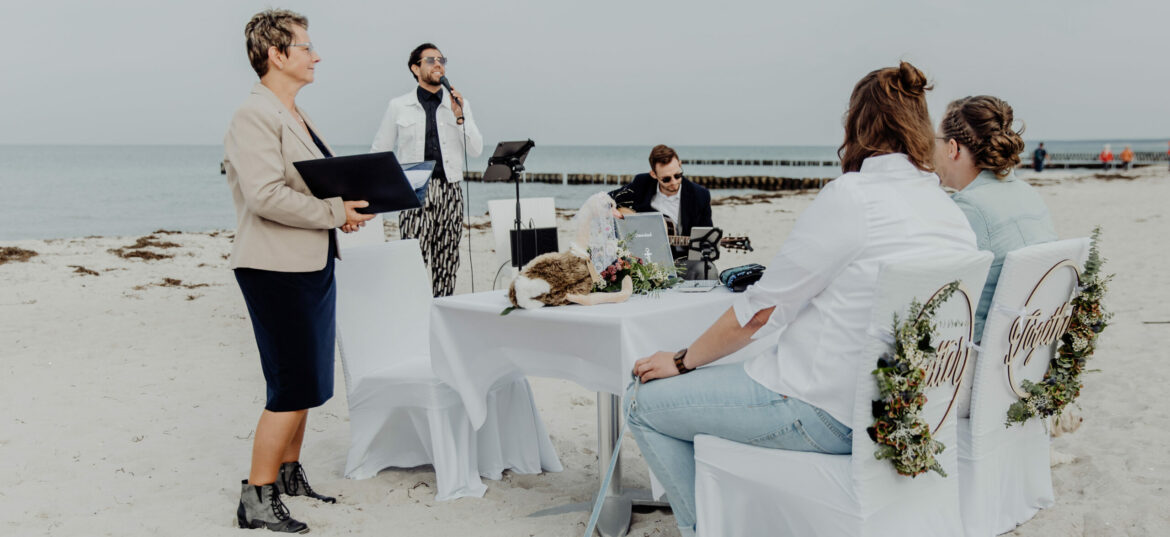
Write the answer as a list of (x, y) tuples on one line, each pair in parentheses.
[(293, 316)]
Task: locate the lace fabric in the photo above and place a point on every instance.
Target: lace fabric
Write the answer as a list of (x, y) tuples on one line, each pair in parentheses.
[(596, 218)]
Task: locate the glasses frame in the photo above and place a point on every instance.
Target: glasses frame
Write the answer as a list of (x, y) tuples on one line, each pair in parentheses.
[(667, 179), (430, 60), (307, 46)]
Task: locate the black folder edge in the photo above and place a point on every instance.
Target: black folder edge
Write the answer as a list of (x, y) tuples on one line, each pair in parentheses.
[(345, 177)]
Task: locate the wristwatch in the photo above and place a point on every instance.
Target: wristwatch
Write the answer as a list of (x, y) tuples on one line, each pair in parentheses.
[(678, 362)]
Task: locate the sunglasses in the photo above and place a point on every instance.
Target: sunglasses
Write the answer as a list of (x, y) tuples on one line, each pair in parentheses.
[(668, 178), (430, 60)]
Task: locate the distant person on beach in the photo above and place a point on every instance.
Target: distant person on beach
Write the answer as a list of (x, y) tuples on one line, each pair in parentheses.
[(1126, 158), (976, 151), (431, 123), (818, 293), (666, 190), (1106, 158), (283, 261), (1039, 158)]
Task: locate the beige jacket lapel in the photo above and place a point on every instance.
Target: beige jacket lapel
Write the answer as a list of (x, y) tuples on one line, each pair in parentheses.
[(289, 121)]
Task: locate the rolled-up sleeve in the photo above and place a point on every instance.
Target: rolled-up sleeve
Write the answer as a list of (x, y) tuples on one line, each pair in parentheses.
[(826, 237)]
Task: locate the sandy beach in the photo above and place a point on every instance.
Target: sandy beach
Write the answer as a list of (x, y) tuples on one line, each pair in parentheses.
[(130, 389)]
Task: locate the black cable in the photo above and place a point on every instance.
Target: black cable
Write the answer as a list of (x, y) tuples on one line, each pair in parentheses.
[(467, 203)]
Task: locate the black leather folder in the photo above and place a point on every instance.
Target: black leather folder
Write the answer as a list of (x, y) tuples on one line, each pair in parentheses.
[(373, 177)]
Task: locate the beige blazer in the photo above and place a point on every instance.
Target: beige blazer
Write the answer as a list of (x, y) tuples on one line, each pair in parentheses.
[(280, 226)]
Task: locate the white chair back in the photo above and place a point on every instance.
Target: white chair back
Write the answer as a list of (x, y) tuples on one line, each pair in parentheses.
[(534, 212), (876, 482), (372, 233), (1028, 314), (383, 306)]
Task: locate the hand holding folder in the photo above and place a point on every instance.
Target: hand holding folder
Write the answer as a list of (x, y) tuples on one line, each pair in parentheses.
[(374, 177)]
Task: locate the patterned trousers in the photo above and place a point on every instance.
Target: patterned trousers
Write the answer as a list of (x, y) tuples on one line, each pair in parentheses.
[(438, 226)]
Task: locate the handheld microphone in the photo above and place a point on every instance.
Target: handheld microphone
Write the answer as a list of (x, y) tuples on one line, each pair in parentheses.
[(447, 84)]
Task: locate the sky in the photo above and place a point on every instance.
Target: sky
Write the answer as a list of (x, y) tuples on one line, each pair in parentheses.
[(594, 73)]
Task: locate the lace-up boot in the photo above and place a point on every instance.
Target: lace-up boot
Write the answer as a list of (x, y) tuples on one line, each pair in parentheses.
[(260, 507), (291, 481)]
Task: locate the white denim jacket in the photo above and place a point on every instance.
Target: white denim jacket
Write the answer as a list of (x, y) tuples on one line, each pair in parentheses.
[(404, 131)]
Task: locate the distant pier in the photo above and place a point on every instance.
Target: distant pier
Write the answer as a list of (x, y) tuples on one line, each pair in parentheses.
[(756, 182)]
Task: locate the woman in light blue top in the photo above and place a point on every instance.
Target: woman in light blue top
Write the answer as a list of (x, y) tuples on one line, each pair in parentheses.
[(975, 153)]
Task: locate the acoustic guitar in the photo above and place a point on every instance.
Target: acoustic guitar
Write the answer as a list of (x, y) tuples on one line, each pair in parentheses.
[(738, 243)]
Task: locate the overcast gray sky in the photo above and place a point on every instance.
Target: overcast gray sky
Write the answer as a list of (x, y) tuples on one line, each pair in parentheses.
[(601, 72)]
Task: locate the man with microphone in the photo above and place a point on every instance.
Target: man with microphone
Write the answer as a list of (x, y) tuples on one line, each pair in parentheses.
[(433, 122)]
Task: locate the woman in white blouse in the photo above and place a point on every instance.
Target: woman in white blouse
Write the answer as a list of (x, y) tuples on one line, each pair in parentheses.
[(821, 285)]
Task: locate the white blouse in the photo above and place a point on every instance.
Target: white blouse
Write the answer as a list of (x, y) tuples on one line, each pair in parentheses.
[(824, 278)]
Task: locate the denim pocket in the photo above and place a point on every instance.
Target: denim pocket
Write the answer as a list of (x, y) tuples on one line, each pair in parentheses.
[(804, 435)]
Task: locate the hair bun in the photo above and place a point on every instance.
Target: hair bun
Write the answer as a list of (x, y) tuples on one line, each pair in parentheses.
[(911, 79)]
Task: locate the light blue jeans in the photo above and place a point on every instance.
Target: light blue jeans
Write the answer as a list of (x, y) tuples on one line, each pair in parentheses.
[(721, 401)]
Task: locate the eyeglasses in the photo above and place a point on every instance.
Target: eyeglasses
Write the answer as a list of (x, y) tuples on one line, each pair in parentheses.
[(307, 46), (668, 178), (430, 60)]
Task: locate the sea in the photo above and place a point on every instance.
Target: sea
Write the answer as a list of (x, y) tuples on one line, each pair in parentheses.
[(58, 191)]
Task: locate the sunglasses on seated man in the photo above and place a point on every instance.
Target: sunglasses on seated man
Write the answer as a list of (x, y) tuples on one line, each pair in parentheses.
[(669, 178)]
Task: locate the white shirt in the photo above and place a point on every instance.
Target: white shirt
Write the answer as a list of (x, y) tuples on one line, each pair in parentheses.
[(667, 205), (824, 278), (404, 131)]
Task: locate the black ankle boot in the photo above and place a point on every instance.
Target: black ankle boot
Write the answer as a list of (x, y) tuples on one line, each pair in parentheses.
[(291, 481), (260, 507)]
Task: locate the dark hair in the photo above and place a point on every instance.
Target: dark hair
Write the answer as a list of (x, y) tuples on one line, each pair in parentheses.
[(983, 124), (661, 155), (270, 28), (416, 56), (888, 114)]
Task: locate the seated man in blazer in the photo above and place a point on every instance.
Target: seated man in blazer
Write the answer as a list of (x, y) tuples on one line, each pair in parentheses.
[(665, 190)]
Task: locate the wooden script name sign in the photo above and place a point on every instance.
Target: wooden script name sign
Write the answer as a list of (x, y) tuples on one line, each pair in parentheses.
[(952, 355), (1033, 330)]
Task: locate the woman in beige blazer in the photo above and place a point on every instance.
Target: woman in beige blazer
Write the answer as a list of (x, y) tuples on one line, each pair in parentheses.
[(283, 260)]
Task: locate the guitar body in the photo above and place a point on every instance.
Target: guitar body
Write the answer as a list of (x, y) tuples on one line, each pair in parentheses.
[(743, 243)]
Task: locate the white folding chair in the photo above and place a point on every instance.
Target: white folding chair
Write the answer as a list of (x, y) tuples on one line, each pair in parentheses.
[(745, 490), (371, 233), (401, 415), (534, 212), (1004, 471)]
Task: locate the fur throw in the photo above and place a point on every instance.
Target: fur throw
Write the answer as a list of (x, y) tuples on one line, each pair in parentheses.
[(548, 278)]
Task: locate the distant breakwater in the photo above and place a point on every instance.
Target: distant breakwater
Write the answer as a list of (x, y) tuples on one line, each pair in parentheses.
[(758, 182), (1055, 160)]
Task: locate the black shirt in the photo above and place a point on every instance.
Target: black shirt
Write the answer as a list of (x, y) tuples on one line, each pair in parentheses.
[(431, 151)]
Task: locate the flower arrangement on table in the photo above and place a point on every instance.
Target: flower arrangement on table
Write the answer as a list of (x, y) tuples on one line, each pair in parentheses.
[(898, 429), (647, 277), (1062, 382)]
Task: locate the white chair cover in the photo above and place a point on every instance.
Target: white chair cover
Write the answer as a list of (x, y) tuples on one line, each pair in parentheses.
[(746, 490), (401, 415), (371, 233), (1005, 472)]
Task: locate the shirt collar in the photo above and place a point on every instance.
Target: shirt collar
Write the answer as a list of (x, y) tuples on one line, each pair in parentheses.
[(890, 163), (424, 95)]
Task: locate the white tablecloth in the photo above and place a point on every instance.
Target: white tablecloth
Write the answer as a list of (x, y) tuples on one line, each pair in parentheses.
[(472, 345)]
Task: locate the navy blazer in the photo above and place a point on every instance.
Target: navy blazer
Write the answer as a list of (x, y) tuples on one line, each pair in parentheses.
[(694, 208)]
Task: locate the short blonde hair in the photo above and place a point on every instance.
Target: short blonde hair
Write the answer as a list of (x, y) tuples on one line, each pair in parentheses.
[(270, 28)]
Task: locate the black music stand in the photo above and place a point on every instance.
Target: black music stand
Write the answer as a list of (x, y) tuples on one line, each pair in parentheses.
[(708, 248), (506, 164)]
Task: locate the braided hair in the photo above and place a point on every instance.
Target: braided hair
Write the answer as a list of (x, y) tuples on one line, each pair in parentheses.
[(983, 124)]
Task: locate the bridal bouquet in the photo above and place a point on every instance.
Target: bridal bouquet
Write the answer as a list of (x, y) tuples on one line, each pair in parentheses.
[(646, 277)]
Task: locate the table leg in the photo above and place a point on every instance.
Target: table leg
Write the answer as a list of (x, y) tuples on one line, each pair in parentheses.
[(617, 510)]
